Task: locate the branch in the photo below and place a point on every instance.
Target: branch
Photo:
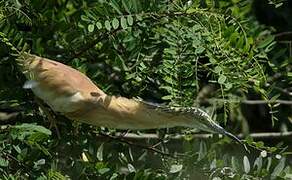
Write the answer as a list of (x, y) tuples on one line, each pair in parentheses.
[(286, 102), (91, 44), (278, 101), (262, 135), (121, 138), (283, 34), (269, 135), (28, 169)]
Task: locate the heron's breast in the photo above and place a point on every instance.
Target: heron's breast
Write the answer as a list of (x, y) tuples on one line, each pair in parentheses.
[(59, 102)]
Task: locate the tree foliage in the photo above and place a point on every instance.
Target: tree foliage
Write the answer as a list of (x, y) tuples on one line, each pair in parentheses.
[(210, 54)]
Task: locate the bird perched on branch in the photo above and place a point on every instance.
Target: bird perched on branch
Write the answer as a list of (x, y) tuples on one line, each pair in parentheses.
[(73, 94)]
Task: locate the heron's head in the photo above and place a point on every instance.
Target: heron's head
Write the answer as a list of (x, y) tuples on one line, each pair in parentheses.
[(203, 121)]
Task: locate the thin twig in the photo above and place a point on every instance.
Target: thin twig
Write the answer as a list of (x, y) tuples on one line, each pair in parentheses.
[(261, 135), (283, 33), (286, 102), (29, 169), (123, 140), (269, 135), (278, 101), (91, 44)]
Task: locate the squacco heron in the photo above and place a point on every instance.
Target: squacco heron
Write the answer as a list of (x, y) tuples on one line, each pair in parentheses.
[(73, 94)]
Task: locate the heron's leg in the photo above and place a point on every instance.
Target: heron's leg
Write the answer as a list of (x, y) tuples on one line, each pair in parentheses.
[(50, 116)]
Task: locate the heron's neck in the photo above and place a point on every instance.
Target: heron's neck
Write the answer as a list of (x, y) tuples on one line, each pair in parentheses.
[(133, 114)]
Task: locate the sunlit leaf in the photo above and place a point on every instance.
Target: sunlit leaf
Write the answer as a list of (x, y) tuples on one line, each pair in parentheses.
[(124, 24), (279, 168), (246, 164), (103, 170), (130, 20), (126, 5), (175, 168), (115, 23), (99, 153), (115, 5), (114, 176), (3, 162), (98, 25), (85, 18), (222, 78), (107, 25), (266, 42), (131, 168), (90, 27)]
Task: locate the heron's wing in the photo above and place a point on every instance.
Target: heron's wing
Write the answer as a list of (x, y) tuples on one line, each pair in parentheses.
[(60, 86)]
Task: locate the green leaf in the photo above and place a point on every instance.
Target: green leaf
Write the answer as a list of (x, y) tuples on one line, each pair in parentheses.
[(124, 22), (33, 127), (131, 168), (39, 163), (228, 86), (196, 42), (107, 25), (17, 149), (197, 27), (270, 47), (90, 27), (139, 17), (85, 18), (240, 41), (199, 50), (202, 150), (260, 144), (246, 164), (53, 174), (114, 176), (233, 37), (115, 5), (278, 4), (217, 69), (175, 168), (266, 42), (130, 20), (130, 76), (211, 57), (167, 97), (221, 79), (258, 163), (213, 164), (126, 6), (121, 62), (279, 168), (3, 162), (168, 79), (134, 4), (269, 164), (103, 170), (99, 153), (98, 25), (115, 23)]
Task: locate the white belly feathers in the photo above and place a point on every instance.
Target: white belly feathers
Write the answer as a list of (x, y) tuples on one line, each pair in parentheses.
[(59, 103)]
